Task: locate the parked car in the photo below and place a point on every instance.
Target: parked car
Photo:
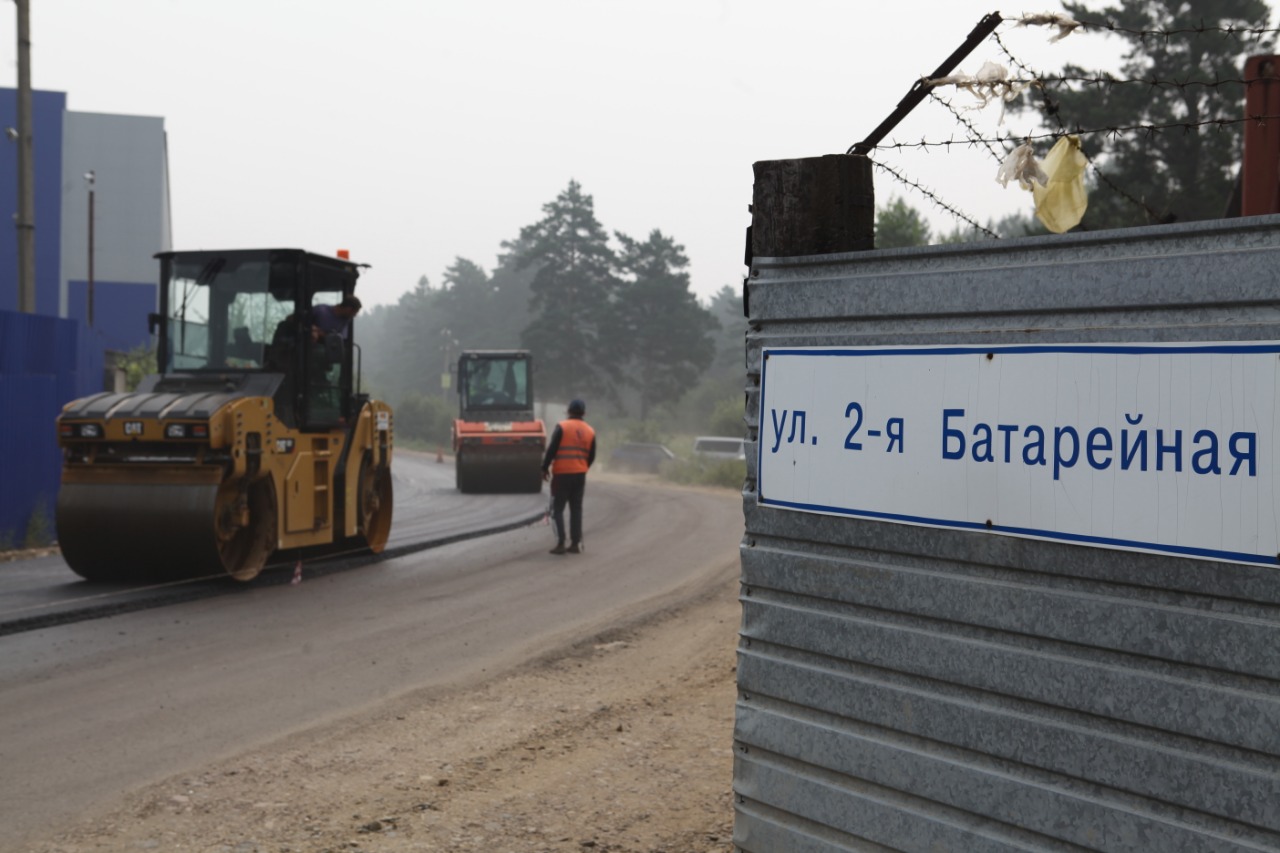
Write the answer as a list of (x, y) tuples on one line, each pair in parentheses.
[(640, 457), (719, 447)]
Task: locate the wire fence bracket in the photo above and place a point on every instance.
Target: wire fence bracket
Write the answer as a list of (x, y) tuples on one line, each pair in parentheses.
[(919, 90)]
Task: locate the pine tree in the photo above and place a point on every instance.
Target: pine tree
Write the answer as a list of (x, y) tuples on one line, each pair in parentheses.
[(1170, 174), (465, 304), (399, 345), (726, 307), (667, 333), (899, 225), (572, 334), (512, 294)]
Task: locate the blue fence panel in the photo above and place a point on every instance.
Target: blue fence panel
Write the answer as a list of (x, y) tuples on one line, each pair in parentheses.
[(45, 362), (30, 463), (13, 344), (47, 110), (41, 346), (29, 344), (120, 311), (87, 376)]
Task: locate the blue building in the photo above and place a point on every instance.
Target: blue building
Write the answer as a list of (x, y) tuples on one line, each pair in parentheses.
[(54, 356)]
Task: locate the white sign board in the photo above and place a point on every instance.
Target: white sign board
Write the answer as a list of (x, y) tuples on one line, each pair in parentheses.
[(1170, 449)]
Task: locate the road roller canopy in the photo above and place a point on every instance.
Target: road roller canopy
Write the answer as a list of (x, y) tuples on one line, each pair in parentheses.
[(224, 310), (227, 315), (492, 381)]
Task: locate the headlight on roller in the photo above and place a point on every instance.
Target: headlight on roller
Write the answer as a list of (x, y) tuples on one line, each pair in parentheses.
[(80, 430), (179, 430)]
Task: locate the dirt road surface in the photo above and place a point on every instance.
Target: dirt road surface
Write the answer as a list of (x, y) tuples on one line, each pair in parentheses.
[(617, 740)]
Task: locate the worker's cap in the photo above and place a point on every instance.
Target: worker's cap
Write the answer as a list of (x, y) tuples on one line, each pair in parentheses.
[(577, 407)]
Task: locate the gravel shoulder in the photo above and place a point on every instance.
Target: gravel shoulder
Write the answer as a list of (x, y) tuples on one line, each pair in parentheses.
[(620, 743)]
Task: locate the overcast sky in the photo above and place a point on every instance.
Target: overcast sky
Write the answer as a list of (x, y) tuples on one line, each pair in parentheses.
[(412, 132)]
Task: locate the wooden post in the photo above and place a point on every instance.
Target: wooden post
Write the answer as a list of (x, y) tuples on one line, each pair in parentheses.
[(812, 206)]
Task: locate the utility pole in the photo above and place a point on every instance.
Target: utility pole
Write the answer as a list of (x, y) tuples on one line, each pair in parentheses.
[(89, 176), (26, 170)]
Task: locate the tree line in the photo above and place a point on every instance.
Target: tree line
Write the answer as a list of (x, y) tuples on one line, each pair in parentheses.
[(611, 318), (607, 317)]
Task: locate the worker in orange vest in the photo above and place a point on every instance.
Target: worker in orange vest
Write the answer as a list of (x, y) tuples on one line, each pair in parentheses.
[(569, 455)]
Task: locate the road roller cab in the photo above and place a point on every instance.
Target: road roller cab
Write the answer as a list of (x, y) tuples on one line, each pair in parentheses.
[(497, 441), (253, 437)]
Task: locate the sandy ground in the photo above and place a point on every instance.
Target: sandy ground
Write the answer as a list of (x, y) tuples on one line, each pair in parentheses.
[(27, 554), (623, 743)]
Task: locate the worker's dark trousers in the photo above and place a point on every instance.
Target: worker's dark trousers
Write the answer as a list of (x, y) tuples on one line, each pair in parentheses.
[(568, 489)]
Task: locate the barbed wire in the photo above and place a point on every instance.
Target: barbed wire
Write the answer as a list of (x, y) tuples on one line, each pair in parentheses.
[(976, 139), (1017, 63), (1112, 130), (933, 197), (1101, 81), (1106, 80), (1256, 33), (974, 136), (1043, 83), (1025, 84), (1051, 109)]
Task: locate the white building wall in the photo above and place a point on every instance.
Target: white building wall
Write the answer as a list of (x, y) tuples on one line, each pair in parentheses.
[(129, 158)]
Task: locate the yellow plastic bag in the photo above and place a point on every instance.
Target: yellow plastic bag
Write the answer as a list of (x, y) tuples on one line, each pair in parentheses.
[(1061, 203)]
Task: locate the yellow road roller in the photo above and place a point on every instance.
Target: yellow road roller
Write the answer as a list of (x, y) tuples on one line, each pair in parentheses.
[(252, 438)]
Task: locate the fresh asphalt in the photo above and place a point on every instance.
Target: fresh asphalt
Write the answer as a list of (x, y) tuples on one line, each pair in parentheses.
[(429, 512)]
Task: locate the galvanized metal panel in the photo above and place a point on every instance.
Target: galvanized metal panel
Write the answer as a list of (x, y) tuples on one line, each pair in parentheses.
[(911, 688)]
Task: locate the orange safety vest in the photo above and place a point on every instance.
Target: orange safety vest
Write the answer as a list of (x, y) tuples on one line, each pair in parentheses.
[(576, 436)]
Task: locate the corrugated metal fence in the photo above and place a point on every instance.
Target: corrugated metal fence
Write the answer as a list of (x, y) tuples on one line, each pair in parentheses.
[(44, 363), (919, 689)]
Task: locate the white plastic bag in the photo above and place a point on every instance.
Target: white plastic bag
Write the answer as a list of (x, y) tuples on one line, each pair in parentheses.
[(1065, 23), (1021, 165), (991, 83)]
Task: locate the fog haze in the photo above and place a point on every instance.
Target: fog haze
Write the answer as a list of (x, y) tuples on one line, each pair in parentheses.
[(412, 133)]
